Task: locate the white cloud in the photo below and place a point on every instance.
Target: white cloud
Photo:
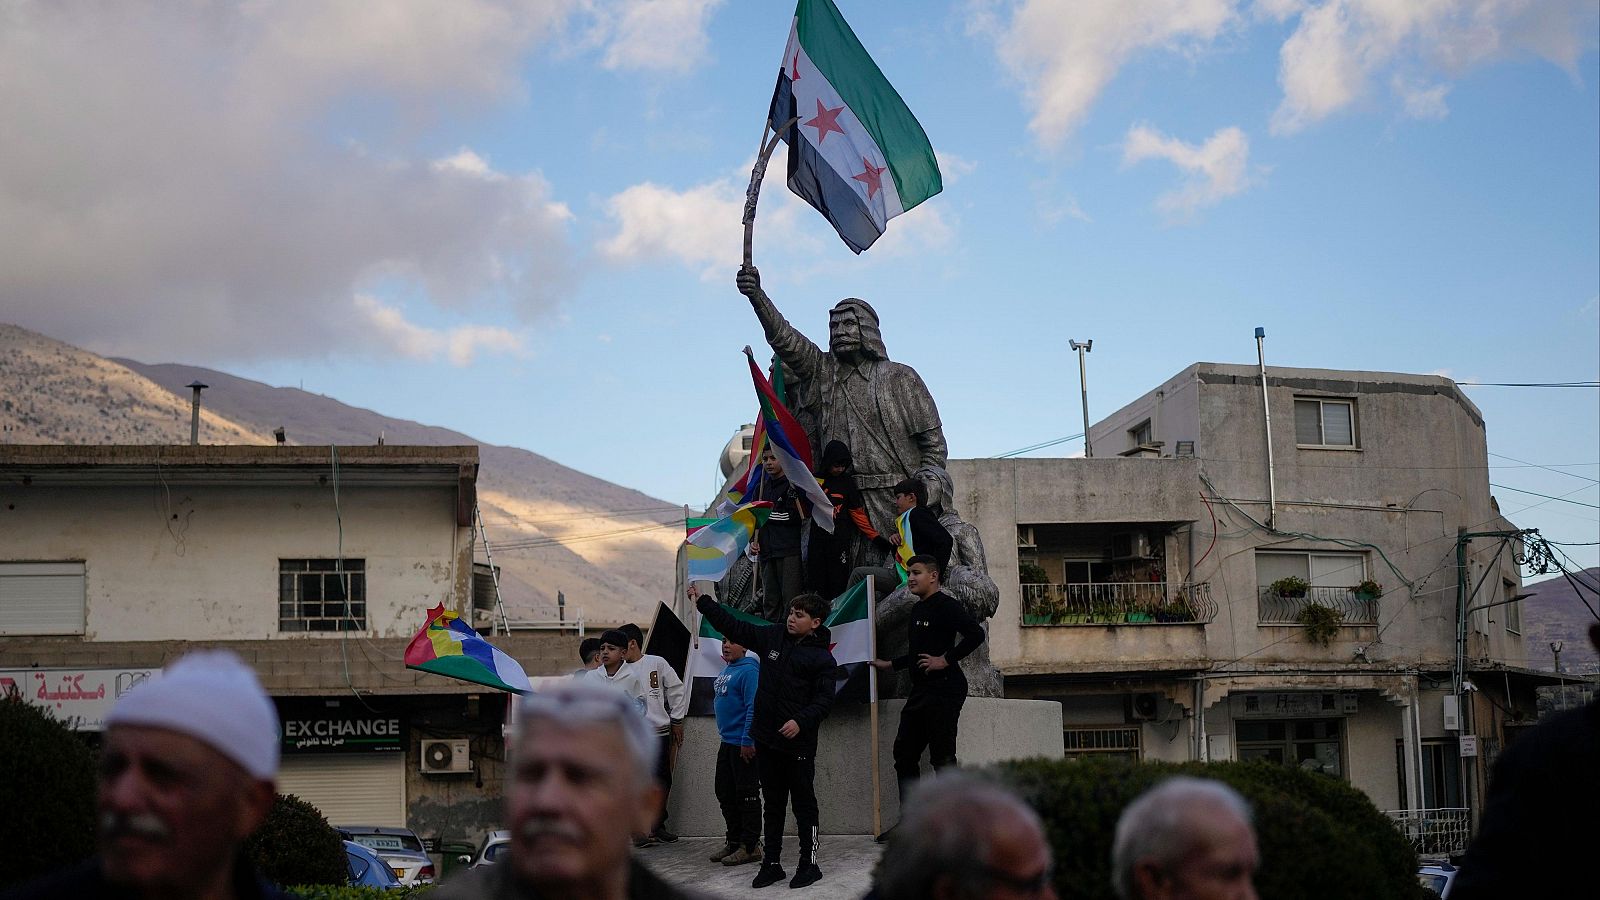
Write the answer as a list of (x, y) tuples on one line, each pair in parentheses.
[(389, 331), (701, 226), (953, 168), (1216, 169), (1066, 53), (657, 35), (1340, 45)]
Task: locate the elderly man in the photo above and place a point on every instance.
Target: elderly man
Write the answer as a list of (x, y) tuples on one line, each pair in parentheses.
[(186, 774), (964, 837), (853, 393), (1185, 839), (582, 782)]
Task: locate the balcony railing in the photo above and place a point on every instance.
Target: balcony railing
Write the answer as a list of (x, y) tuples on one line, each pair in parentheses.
[(1130, 603), (1275, 609), (1435, 832)]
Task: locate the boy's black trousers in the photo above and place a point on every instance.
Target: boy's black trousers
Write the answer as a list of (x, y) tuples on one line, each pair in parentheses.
[(785, 778), (738, 787)]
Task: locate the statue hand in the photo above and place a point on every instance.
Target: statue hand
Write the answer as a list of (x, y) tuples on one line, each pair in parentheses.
[(749, 281)]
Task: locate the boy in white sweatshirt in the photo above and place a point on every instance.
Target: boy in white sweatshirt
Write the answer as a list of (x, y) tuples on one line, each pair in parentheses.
[(666, 704), (615, 671)]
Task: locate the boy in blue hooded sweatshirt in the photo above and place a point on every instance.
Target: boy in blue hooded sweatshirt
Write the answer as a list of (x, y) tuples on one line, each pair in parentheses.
[(738, 785)]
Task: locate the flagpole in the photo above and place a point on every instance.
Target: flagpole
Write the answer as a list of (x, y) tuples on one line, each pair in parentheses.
[(757, 172), (872, 699)]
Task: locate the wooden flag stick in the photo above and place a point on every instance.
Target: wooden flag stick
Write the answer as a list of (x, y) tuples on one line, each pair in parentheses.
[(757, 172), (872, 699)]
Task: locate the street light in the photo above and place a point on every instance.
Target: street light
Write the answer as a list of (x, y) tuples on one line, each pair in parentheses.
[(1083, 380)]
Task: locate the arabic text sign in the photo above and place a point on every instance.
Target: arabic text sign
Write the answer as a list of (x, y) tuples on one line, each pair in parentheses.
[(79, 697), (313, 725)]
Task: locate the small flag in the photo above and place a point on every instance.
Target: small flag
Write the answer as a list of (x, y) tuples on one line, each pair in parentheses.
[(448, 646), (711, 549), (790, 445), (706, 663), (850, 629), (857, 154), (669, 639)]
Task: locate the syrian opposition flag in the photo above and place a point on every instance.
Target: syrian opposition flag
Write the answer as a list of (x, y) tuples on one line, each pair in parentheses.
[(705, 663), (850, 627), (790, 445), (856, 153)]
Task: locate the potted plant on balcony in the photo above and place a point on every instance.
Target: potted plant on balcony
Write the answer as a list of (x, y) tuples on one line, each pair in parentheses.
[(1177, 611), (1107, 614), (1072, 616), (1291, 588), (1321, 622), (1368, 590), (1035, 608)]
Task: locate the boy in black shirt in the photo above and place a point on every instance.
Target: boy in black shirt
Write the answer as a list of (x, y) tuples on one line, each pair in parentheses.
[(794, 692), (938, 687)]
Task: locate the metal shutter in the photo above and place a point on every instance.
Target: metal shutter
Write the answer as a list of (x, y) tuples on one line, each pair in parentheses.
[(358, 789), (41, 598)]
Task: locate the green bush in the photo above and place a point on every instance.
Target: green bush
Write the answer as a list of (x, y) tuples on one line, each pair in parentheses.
[(47, 792), (296, 845), (329, 892), (1320, 838), (1032, 573)]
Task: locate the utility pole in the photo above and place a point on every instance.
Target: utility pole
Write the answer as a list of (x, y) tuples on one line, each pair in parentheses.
[(1083, 380), (1266, 413)]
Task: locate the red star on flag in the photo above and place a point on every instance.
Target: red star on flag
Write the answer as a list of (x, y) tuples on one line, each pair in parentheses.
[(827, 120), (872, 177)]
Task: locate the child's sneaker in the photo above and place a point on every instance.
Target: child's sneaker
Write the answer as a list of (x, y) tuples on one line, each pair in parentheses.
[(771, 873), (726, 851), (741, 856), (807, 874)]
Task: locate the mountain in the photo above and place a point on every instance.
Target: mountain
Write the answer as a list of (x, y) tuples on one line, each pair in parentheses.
[(608, 548), (1556, 613)]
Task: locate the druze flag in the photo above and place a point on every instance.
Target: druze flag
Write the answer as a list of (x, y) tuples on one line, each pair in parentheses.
[(856, 153), (448, 646)]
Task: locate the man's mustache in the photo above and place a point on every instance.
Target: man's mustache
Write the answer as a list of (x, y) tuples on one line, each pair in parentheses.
[(142, 825)]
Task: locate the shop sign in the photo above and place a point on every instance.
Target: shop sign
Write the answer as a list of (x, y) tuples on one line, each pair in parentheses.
[(81, 698), (338, 726), (1293, 704)]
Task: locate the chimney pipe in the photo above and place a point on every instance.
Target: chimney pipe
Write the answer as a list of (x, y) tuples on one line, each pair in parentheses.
[(194, 411)]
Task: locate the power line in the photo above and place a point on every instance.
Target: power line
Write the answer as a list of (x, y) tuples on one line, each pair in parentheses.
[(1545, 496), (1546, 468), (1531, 384), (1038, 446)]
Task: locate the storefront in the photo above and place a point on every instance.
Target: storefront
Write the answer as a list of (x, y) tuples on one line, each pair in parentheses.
[(344, 758)]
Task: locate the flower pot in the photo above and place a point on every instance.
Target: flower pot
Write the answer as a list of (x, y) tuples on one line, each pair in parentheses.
[(1138, 617), (1035, 620), (1072, 618)]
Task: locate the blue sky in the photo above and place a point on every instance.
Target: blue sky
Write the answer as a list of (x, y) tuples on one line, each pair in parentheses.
[(520, 219)]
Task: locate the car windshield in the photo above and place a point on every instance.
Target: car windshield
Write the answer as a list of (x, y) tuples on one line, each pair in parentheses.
[(388, 841), (1434, 883)]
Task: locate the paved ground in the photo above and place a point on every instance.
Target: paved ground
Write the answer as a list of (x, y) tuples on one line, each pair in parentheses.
[(846, 862)]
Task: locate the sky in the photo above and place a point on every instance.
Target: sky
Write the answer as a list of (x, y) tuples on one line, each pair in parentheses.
[(521, 220)]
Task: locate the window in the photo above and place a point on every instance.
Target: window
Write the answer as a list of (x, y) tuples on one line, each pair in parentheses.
[(1513, 611), (42, 598), (1312, 744), (1322, 570), (312, 595), (1140, 434), (1120, 741), (1086, 571), (1324, 423)]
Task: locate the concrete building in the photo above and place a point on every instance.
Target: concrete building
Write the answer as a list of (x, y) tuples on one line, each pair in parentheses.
[(316, 564), (1152, 615)]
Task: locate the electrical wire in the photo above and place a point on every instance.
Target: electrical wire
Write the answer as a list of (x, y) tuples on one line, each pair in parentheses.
[(1039, 446), (1531, 384), (1545, 496), (1546, 468)]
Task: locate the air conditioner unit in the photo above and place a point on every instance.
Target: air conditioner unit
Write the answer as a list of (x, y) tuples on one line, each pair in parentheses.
[(1143, 707), (1130, 545), (446, 757)]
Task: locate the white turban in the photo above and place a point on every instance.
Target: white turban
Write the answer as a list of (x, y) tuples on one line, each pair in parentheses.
[(213, 697)]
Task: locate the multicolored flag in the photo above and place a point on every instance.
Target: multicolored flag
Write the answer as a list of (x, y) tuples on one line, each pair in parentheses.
[(856, 153), (705, 663), (789, 444), (850, 627), (711, 549), (448, 646)]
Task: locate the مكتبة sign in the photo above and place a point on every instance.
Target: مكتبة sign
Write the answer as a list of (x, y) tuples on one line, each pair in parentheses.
[(79, 697)]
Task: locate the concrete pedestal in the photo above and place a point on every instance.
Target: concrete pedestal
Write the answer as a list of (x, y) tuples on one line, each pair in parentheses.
[(992, 730)]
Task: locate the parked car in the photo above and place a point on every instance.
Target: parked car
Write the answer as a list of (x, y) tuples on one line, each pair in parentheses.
[(399, 848), (493, 849), (367, 869), (1437, 876)]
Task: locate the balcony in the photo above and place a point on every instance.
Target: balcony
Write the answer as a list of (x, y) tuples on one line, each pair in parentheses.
[(1435, 832), (1132, 603), (1275, 609)]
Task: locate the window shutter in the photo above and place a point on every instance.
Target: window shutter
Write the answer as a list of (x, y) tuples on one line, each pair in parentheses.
[(1338, 430), (42, 598), (1307, 422)]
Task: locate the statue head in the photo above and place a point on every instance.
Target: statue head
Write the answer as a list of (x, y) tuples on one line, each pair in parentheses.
[(853, 330), (941, 489)]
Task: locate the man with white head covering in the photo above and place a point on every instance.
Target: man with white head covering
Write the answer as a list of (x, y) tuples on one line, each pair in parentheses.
[(187, 772)]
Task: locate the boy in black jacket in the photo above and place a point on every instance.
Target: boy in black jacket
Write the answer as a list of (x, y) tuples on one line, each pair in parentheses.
[(938, 687), (793, 696)]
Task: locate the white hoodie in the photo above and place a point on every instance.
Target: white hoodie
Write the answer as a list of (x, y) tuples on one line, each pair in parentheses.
[(668, 701), (626, 680)]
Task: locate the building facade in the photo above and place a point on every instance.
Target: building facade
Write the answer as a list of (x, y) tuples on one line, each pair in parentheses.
[(315, 564), (1188, 595)]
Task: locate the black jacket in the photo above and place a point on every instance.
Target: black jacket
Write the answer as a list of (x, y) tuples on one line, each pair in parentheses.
[(797, 681), (935, 624), (929, 538), (780, 537), (87, 881)]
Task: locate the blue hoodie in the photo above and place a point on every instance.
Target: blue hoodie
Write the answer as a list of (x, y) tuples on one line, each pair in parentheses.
[(736, 700)]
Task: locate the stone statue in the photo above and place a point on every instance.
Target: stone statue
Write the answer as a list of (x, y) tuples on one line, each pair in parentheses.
[(967, 581), (853, 393)]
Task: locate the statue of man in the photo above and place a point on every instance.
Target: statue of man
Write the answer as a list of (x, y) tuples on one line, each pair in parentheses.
[(853, 393)]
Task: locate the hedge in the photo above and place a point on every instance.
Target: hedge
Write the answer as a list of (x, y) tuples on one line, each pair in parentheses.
[(1320, 838), (296, 845), (330, 892), (47, 791)]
